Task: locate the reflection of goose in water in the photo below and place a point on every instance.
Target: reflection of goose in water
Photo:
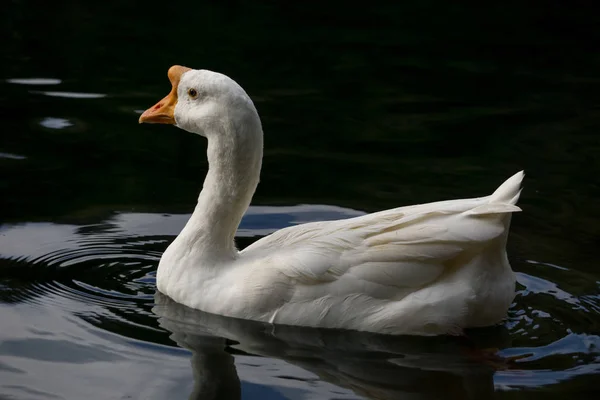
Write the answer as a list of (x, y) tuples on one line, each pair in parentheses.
[(374, 366), (215, 376)]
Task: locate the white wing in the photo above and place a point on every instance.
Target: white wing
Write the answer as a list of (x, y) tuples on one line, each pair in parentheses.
[(391, 253)]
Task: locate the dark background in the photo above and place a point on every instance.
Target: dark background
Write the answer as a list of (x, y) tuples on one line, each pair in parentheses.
[(370, 106)]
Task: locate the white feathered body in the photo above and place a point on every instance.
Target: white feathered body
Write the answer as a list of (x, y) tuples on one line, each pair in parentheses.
[(427, 269)]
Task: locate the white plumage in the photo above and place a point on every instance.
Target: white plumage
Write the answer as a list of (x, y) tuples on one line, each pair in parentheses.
[(427, 269)]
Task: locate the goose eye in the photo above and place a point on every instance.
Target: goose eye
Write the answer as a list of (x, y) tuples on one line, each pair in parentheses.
[(193, 93)]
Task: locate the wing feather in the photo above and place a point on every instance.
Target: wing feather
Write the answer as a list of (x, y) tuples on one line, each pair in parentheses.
[(403, 248)]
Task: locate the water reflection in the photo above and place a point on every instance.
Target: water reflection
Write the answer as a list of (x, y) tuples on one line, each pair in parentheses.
[(34, 81), (12, 156), (373, 366), (55, 123), (72, 95), (78, 300)]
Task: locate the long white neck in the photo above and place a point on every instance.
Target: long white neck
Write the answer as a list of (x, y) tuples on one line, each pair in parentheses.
[(235, 149)]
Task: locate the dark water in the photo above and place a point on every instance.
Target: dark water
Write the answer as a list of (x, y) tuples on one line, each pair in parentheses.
[(363, 109)]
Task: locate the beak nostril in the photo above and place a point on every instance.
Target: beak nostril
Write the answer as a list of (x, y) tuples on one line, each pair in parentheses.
[(156, 107)]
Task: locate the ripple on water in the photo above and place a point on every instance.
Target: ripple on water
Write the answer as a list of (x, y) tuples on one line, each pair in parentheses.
[(55, 123), (108, 267), (106, 272), (105, 276), (71, 95), (11, 156), (553, 331), (34, 81)]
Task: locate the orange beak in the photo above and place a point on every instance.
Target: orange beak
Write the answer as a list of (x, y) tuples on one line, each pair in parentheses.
[(163, 112)]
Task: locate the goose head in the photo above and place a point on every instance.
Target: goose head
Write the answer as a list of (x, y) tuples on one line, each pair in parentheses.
[(202, 102)]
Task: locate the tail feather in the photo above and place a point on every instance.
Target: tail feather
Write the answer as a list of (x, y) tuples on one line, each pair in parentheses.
[(494, 208), (504, 199), (509, 191)]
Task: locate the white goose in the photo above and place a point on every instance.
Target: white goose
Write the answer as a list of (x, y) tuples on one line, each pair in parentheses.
[(427, 269)]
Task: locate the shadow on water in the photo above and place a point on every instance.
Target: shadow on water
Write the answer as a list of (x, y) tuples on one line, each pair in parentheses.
[(373, 366)]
